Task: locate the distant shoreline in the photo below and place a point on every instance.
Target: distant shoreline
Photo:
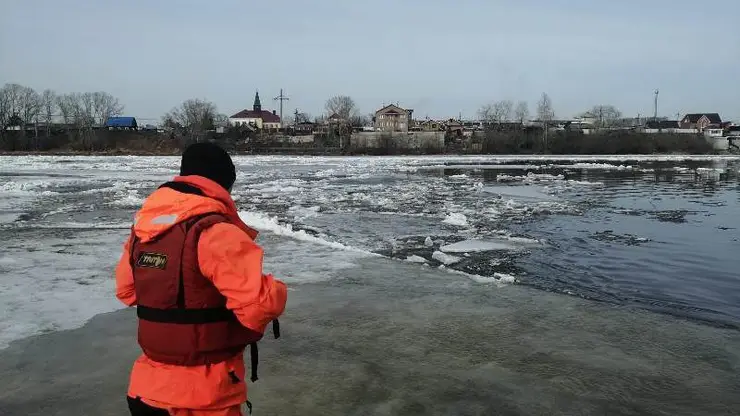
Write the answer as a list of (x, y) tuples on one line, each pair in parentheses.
[(113, 153)]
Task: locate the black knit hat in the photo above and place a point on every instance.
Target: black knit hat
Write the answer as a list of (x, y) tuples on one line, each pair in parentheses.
[(210, 161)]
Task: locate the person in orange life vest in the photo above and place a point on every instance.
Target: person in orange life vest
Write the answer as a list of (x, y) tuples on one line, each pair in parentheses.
[(194, 272)]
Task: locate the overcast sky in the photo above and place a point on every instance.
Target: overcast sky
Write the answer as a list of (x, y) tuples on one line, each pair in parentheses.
[(440, 57)]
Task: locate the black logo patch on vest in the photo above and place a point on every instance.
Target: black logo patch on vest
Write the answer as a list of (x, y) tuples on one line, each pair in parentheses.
[(152, 260)]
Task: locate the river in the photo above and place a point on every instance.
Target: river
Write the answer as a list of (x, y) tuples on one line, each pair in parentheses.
[(624, 265)]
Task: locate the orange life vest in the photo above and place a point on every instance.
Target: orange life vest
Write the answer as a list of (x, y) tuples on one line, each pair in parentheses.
[(183, 319)]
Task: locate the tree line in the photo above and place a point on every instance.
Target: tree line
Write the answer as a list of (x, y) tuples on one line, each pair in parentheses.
[(21, 106), (505, 111)]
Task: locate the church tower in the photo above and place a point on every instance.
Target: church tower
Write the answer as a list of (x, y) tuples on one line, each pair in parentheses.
[(257, 107)]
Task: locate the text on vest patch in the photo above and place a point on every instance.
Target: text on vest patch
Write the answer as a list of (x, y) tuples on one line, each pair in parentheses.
[(152, 260)]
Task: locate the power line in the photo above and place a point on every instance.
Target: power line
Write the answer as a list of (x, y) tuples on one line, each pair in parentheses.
[(281, 98)]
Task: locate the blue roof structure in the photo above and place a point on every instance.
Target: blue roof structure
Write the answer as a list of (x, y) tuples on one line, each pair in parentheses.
[(121, 122)]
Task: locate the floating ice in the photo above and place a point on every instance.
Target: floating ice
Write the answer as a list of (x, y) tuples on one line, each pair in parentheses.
[(429, 242), (264, 222), (528, 192), (472, 246), (500, 279), (530, 177), (304, 212), (456, 218), (130, 199), (445, 259), (416, 259), (597, 166)]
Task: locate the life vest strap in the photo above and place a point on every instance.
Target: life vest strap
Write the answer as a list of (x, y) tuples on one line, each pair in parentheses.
[(254, 352), (254, 359), (185, 316), (276, 328)]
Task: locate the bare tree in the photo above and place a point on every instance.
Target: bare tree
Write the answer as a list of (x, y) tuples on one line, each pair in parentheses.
[(497, 112), (545, 112), (87, 100), (195, 116), (485, 113), (302, 118), (77, 109), (65, 108), (341, 105), (30, 106), (48, 107), (104, 107), (297, 119), (4, 109), (504, 109), (13, 94), (358, 120), (71, 108), (606, 115), (521, 113), (220, 120)]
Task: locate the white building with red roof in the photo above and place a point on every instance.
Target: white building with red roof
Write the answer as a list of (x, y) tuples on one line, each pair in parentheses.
[(256, 117)]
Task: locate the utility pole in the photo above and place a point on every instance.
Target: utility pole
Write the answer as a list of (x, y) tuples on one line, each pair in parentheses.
[(281, 98), (295, 119), (655, 117)]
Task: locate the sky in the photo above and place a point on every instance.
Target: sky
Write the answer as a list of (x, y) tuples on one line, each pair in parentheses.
[(442, 58)]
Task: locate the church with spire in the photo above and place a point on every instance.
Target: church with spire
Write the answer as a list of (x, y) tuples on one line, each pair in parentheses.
[(256, 117)]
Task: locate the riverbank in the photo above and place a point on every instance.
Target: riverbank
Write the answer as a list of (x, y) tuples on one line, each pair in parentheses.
[(370, 343), (521, 142)]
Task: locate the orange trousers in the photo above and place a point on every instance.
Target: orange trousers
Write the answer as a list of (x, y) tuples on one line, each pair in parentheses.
[(229, 411)]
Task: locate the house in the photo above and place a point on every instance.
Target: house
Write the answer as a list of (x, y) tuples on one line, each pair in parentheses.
[(713, 131), (663, 124), (669, 125), (256, 117), (304, 128), (393, 118), (454, 126), (587, 118), (499, 126), (700, 121), (666, 126), (430, 125), (121, 123), (336, 119), (732, 131)]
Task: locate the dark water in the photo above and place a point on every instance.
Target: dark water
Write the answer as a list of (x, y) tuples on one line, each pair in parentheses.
[(664, 236), (666, 242)]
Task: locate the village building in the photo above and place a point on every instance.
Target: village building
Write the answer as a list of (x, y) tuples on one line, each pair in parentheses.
[(303, 128), (429, 125), (256, 117), (336, 119), (393, 118), (666, 126), (700, 121)]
